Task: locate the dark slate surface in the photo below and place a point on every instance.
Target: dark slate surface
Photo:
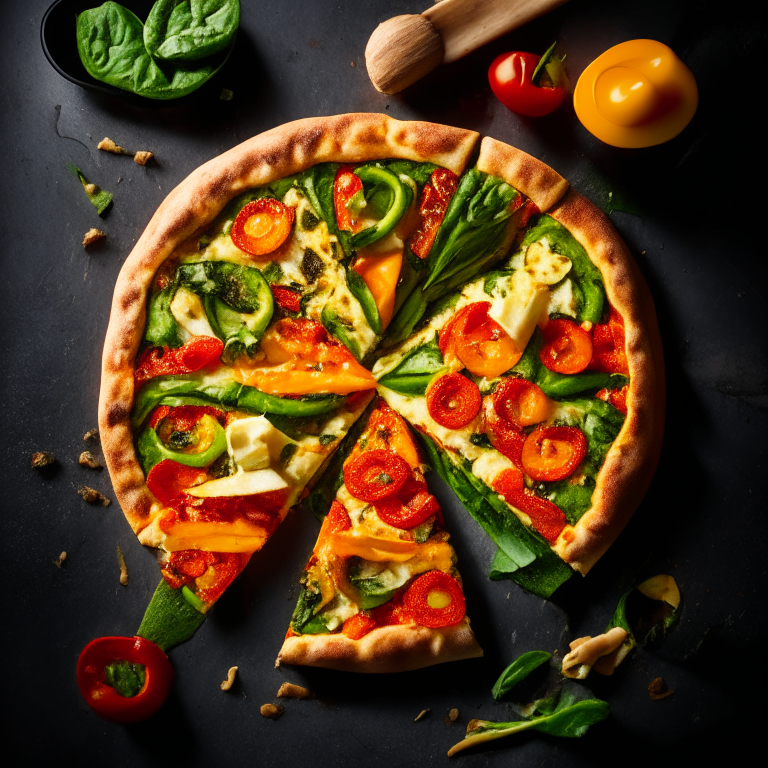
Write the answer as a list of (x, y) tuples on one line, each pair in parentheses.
[(696, 236)]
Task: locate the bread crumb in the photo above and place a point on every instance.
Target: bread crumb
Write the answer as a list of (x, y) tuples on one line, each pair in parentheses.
[(59, 561), (271, 711), (109, 146), (421, 715), (92, 496), (226, 94), (142, 157), (229, 682), (291, 691), (453, 716), (351, 63), (92, 236), (87, 459), (123, 567), (91, 189), (42, 459), (657, 689), (91, 434)]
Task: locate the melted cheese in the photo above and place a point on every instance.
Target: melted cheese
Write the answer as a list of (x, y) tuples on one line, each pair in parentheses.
[(255, 443), (544, 265), (240, 484), (188, 310)]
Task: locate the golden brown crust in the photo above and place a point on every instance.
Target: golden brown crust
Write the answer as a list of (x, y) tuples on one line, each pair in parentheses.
[(631, 461), (398, 648), (536, 180), (193, 204)]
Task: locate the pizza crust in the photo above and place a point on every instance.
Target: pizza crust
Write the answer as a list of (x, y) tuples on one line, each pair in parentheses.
[(631, 461), (398, 648), (192, 205), (536, 180)]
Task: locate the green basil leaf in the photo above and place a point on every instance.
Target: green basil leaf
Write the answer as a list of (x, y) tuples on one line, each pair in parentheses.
[(517, 671), (185, 30)]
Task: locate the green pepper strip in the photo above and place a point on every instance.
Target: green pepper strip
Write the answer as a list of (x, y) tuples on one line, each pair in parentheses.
[(153, 450), (401, 199)]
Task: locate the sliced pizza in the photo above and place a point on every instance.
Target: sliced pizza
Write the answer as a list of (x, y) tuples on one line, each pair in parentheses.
[(381, 592)]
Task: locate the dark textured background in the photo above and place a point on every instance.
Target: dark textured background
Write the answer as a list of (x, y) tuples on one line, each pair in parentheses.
[(698, 208)]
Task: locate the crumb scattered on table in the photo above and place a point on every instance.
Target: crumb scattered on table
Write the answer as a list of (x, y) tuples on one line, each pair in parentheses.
[(229, 682), (109, 146), (226, 94), (91, 189), (42, 459), (272, 711), (452, 717), (91, 434), (92, 236), (87, 459), (123, 567), (142, 157), (657, 689), (421, 715), (59, 561), (92, 496), (291, 691)]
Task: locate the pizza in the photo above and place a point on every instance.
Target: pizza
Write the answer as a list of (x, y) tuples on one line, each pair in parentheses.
[(284, 282), (381, 592)]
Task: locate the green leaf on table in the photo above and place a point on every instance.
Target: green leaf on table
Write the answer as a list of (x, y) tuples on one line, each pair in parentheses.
[(517, 671), (100, 198)]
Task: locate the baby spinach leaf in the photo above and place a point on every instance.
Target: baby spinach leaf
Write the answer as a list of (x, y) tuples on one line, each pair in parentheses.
[(573, 499), (184, 30), (419, 366), (517, 671), (100, 198), (419, 172), (110, 41), (162, 329), (305, 608)]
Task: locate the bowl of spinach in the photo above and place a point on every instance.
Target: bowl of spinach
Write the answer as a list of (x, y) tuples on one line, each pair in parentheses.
[(146, 52)]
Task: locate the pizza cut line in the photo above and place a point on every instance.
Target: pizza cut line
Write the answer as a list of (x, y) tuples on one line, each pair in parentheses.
[(285, 282)]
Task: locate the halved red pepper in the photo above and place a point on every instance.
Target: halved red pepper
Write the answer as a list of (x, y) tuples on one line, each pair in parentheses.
[(124, 679), (435, 198), (345, 186), (453, 400), (286, 299), (198, 352)]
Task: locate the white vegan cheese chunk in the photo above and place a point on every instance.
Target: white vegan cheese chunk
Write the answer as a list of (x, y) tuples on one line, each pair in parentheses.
[(523, 307), (544, 265), (189, 312), (240, 484), (562, 300), (254, 443)]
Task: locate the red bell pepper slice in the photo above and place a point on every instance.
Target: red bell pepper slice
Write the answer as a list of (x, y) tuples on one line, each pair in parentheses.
[(345, 186), (616, 397), (553, 453), (435, 198), (338, 518), (198, 352), (435, 600), (546, 518), (453, 400), (410, 507), (609, 353), (124, 660), (358, 626), (168, 479), (286, 299)]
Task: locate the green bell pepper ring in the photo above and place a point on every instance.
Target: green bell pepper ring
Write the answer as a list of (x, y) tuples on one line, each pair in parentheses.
[(153, 450), (399, 202)]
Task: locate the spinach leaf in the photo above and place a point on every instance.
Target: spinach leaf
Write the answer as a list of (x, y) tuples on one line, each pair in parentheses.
[(169, 619), (305, 608), (110, 41), (517, 671), (100, 199), (162, 329), (414, 372), (360, 290), (573, 500), (419, 172), (341, 329), (585, 275), (184, 30)]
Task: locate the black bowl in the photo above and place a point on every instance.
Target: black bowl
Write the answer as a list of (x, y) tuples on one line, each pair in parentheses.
[(57, 34)]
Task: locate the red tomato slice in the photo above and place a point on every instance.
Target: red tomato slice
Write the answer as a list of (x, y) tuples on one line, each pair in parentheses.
[(520, 403), (345, 186), (553, 453), (262, 226), (169, 479), (375, 475), (453, 401), (567, 347), (434, 600)]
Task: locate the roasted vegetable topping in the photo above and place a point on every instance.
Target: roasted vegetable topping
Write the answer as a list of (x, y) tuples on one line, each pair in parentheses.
[(453, 401), (553, 453), (435, 600), (375, 475), (567, 347)]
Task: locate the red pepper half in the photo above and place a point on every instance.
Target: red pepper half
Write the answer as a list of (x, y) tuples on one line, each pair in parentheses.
[(528, 84), (163, 361), (286, 299), (435, 198), (345, 186), (124, 679)]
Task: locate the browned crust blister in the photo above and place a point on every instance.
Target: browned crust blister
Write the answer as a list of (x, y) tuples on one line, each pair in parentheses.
[(631, 461), (536, 180), (195, 203), (398, 648)]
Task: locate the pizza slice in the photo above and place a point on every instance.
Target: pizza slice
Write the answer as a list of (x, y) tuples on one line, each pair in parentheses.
[(381, 592), (537, 389)]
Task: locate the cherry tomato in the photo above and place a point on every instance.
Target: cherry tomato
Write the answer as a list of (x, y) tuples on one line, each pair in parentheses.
[(262, 226), (453, 401), (434, 600), (375, 475), (553, 453), (567, 347), (124, 661)]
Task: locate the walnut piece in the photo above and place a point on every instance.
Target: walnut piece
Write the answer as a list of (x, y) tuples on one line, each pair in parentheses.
[(59, 561), (657, 689), (91, 434), (123, 567), (229, 682), (109, 146), (142, 157), (271, 711), (87, 459), (421, 715), (92, 496), (92, 236), (291, 691), (42, 459)]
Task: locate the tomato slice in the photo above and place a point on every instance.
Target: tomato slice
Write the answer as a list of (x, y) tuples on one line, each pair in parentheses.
[(358, 626), (616, 397), (286, 299), (375, 475), (435, 198), (434, 600), (410, 507), (93, 668), (479, 342), (198, 352), (553, 453), (262, 226), (567, 347), (453, 401), (338, 518), (609, 353), (345, 186), (547, 518), (168, 479), (520, 402)]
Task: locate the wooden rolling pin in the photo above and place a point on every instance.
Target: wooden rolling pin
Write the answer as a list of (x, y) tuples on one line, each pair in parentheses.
[(405, 48)]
